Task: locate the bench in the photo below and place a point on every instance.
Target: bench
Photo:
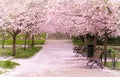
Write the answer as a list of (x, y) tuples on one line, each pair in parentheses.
[(95, 59), (79, 50)]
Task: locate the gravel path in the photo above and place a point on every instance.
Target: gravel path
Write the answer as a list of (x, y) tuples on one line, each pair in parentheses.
[(57, 60)]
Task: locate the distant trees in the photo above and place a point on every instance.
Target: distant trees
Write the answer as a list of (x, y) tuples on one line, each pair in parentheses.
[(72, 17)]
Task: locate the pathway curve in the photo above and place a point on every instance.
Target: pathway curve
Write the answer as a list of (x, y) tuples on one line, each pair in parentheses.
[(57, 60)]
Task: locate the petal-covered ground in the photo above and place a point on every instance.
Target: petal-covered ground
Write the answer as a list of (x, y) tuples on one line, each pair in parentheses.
[(57, 59)]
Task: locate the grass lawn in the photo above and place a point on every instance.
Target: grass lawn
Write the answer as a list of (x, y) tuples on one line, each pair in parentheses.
[(41, 42), (21, 42), (109, 65), (1, 72), (20, 53), (28, 53), (8, 64), (77, 42)]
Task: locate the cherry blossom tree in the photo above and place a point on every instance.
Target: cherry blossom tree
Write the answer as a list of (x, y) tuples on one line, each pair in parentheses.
[(35, 21), (96, 18), (65, 18), (18, 19), (72, 17)]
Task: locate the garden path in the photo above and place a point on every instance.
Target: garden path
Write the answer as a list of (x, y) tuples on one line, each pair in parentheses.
[(57, 59)]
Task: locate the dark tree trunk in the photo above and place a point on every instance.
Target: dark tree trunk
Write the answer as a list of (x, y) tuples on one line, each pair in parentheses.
[(14, 34), (25, 44), (14, 45), (105, 48), (95, 40), (3, 40), (32, 44), (85, 41), (114, 61)]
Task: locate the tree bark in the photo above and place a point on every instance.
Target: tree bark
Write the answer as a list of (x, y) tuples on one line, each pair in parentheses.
[(95, 40), (25, 44), (14, 45), (3, 40), (85, 41), (105, 48), (14, 34), (32, 44)]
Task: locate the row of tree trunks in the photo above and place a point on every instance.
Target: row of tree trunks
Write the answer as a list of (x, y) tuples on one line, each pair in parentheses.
[(27, 35), (25, 45), (95, 43), (14, 35)]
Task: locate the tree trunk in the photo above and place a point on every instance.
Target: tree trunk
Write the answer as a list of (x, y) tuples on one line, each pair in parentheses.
[(105, 48), (3, 40), (14, 45), (14, 34), (85, 41), (25, 44), (95, 40), (29, 41), (32, 45), (114, 61)]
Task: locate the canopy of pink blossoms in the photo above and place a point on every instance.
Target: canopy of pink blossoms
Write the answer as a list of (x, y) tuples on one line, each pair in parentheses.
[(83, 18), (72, 17)]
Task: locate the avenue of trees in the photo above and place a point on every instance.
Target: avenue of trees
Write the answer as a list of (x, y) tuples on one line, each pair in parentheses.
[(98, 18)]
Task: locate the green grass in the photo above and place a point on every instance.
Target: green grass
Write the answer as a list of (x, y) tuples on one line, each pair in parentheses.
[(115, 54), (77, 42), (41, 42), (115, 50), (41, 36), (8, 64), (21, 42), (109, 65), (5, 51), (1, 72), (20, 53), (28, 53)]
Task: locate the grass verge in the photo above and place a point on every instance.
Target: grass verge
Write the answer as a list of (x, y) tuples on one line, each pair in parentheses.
[(109, 65), (20, 52), (1, 72), (8, 64), (77, 42), (21, 42)]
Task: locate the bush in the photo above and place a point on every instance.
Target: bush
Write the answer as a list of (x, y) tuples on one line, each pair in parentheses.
[(8, 64)]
